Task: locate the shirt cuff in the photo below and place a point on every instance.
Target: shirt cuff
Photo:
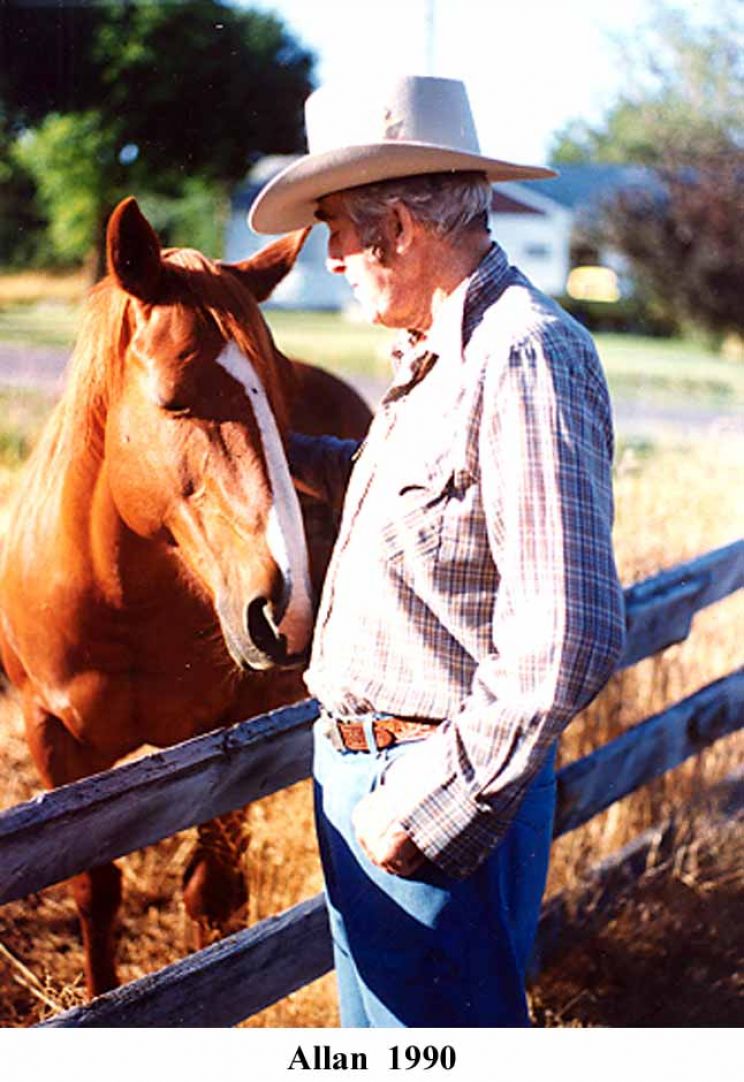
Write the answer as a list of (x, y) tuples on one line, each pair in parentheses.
[(452, 830), (442, 814)]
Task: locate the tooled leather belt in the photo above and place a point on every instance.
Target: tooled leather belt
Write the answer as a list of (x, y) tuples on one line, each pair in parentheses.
[(387, 730)]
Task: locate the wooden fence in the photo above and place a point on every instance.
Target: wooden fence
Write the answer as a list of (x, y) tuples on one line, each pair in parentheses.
[(60, 833)]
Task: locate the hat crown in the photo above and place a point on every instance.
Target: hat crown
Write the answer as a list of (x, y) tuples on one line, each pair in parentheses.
[(411, 109), (402, 127)]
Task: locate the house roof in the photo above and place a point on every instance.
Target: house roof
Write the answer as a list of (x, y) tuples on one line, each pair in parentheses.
[(501, 203), (259, 174), (583, 185)]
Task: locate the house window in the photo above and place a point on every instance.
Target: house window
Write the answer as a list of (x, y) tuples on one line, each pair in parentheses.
[(537, 251)]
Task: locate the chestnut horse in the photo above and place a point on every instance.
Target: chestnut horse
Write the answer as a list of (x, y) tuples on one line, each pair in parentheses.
[(154, 581)]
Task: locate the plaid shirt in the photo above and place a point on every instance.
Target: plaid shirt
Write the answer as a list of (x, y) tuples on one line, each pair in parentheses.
[(473, 580)]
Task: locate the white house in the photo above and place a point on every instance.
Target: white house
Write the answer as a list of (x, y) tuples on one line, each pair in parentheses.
[(582, 189), (535, 232), (309, 285)]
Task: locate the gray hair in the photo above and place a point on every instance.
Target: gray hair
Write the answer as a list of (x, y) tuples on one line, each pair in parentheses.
[(448, 204)]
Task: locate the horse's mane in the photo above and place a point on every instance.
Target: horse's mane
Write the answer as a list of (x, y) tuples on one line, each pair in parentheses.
[(78, 418), (211, 292)]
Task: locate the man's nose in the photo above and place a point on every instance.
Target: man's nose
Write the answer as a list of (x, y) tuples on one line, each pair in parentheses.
[(335, 264), (334, 259)]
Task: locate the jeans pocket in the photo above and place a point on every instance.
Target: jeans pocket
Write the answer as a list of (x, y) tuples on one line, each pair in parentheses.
[(385, 759), (382, 765)]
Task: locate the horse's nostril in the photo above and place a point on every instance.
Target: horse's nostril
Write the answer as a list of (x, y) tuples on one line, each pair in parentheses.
[(263, 631), (279, 601)]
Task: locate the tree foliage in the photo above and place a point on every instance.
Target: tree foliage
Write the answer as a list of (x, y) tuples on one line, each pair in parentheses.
[(682, 93), (146, 97), (682, 114), (71, 157), (685, 243), (21, 225)]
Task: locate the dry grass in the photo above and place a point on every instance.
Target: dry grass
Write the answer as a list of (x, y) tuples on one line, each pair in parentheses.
[(672, 505), (672, 955), (30, 287), (41, 933)]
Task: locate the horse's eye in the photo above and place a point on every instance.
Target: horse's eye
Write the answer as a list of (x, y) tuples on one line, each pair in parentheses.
[(175, 408)]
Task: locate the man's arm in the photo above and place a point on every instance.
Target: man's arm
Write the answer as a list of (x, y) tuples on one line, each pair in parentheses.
[(323, 463), (545, 458)]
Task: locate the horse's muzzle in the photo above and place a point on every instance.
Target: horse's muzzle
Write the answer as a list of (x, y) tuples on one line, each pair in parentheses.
[(261, 645), (263, 631)]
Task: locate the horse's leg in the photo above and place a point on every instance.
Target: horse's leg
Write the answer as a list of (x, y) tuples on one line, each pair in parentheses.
[(60, 759), (97, 894), (214, 881)]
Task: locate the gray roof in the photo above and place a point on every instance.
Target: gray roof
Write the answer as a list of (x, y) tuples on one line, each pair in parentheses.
[(581, 185), (578, 187), (264, 170)]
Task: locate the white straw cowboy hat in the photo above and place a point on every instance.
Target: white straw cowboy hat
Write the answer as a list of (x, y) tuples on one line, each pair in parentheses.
[(416, 124)]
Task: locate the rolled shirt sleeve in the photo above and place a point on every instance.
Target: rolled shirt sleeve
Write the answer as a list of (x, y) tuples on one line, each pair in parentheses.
[(545, 451)]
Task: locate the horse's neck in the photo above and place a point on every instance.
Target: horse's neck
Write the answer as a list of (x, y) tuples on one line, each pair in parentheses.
[(71, 511)]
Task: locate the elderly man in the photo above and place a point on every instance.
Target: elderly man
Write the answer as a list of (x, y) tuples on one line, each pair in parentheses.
[(472, 605)]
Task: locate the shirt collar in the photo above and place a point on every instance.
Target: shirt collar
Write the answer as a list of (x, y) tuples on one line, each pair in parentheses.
[(486, 284)]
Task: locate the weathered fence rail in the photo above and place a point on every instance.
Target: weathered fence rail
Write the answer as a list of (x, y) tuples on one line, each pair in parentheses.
[(659, 610), (103, 817)]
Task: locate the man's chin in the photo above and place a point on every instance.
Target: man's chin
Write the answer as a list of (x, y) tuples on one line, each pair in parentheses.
[(369, 313)]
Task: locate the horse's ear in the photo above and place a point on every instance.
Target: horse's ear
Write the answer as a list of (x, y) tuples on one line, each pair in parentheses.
[(265, 270), (133, 251)]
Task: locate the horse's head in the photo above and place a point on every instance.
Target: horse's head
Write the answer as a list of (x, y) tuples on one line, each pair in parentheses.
[(193, 448)]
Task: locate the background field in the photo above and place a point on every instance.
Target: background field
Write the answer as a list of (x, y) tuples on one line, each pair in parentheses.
[(673, 956), (655, 369)]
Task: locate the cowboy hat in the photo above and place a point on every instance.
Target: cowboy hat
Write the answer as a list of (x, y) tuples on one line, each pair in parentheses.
[(415, 124)]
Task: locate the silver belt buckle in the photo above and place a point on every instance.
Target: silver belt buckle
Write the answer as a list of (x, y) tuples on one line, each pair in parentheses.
[(329, 729)]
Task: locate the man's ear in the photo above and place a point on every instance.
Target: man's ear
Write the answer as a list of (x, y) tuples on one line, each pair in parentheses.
[(403, 228)]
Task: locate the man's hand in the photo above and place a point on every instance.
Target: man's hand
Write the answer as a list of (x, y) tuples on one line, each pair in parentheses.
[(383, 840)]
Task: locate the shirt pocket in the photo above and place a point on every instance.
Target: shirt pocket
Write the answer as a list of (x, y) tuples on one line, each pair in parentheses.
[(462, 511), (414, 524)]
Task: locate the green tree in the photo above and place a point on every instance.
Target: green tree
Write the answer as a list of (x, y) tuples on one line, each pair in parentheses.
[(682, 94), (21, 226), (684, 242), (682, 115), (45, 62), (164, 99), (72, 158)]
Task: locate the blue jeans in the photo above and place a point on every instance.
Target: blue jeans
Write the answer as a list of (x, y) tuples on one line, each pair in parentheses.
[(429, 950)]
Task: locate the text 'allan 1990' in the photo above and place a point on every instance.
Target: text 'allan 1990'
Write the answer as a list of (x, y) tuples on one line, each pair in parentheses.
[(323, 1058)]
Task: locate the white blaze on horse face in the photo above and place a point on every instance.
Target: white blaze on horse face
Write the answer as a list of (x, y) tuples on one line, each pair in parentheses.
[(285, 535)]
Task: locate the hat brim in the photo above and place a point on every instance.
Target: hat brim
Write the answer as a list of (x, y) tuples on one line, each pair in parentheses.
[(290, 200)]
